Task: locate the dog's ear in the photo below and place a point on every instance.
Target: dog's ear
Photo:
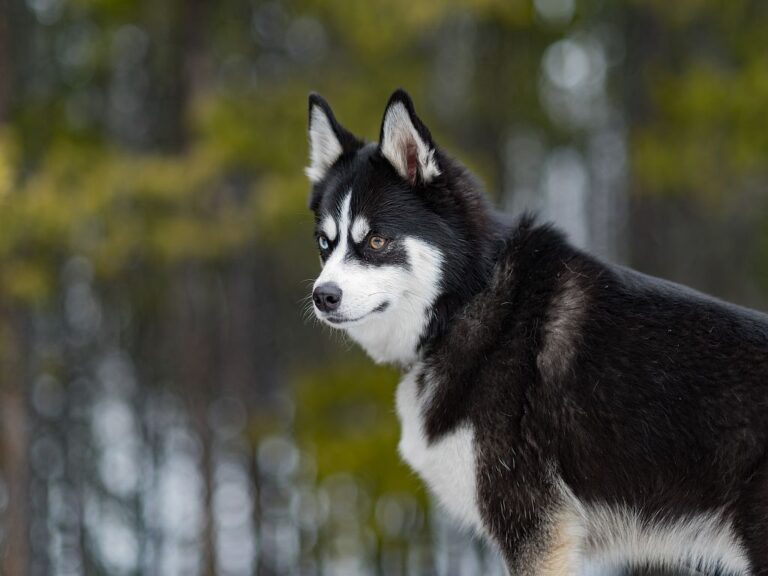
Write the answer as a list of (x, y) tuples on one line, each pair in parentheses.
[(328, 140), (406, 142)]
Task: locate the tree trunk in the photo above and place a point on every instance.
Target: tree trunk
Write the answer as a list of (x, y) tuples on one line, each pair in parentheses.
[(196, 370), (6, 78), (15, 441)]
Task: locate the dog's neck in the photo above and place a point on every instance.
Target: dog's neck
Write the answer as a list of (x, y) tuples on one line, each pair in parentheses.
[(474, 279)]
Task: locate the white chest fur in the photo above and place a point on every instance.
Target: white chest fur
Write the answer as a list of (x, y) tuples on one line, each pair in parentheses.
[(448, 465)]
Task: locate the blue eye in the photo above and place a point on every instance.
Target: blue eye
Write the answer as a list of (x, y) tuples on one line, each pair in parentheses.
[(322, 241)]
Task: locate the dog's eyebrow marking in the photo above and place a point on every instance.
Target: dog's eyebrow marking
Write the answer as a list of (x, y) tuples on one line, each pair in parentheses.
[(344, 214), (360, 228), (344, 211), (328, 227)]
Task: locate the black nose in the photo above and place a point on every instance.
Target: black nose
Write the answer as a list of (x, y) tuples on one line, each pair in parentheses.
[(327, 296)]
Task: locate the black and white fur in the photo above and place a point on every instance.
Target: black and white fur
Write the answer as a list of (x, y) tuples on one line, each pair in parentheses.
[(566, 409)]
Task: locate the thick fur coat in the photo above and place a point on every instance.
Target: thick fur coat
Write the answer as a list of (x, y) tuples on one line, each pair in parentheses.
[(566, 409), (593, 389)]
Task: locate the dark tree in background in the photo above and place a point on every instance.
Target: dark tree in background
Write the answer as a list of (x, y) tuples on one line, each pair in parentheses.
[(165, 405)]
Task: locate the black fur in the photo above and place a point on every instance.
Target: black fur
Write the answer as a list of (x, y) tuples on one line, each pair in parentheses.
[(664, 406), (631, 390)]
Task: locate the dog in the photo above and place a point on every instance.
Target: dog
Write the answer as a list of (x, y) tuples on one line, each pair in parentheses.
[(566, 409)]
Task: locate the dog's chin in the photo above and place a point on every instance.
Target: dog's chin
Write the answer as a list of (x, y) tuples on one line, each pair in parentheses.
[(344, 321)]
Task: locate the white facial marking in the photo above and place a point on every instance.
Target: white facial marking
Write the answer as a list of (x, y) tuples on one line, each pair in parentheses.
[(336, 269), (448, 465), (344, 217), (328, 227), (386, 308), (393, 336), (324, 146), (360, 229), (399, 135), (617, 536)]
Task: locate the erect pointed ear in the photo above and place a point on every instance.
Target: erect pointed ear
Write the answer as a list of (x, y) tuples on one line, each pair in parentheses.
[(406, 142), (328, 140)]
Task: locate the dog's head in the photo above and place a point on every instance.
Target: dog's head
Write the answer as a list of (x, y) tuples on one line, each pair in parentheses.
[(395, 224)]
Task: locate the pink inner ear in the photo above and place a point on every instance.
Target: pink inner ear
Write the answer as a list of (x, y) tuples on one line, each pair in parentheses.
[(412, 160)]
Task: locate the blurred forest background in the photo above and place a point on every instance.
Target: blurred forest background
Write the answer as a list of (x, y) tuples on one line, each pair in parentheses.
[(164, 407)]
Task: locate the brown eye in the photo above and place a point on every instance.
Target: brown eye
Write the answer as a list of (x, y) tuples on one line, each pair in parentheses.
[(376, 242)]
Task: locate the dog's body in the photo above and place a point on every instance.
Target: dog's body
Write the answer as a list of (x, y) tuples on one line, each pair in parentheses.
[(564, 408)]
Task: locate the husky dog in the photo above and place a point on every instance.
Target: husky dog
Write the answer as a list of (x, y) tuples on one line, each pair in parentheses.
[(566, 409)]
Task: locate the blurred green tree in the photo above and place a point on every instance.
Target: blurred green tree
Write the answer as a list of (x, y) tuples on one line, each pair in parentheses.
[(163, 144)]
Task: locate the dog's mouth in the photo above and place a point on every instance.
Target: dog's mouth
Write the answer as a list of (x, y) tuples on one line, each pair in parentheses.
[(338, 320)]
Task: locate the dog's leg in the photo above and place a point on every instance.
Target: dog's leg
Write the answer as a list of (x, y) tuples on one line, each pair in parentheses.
[(550, 544), (561, 548), (752, 520)]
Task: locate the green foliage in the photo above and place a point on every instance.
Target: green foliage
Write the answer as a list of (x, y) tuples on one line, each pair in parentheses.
[(118, 209), (702, 135), (379, 27), (709, 131), (346, 414), (234, 185)]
